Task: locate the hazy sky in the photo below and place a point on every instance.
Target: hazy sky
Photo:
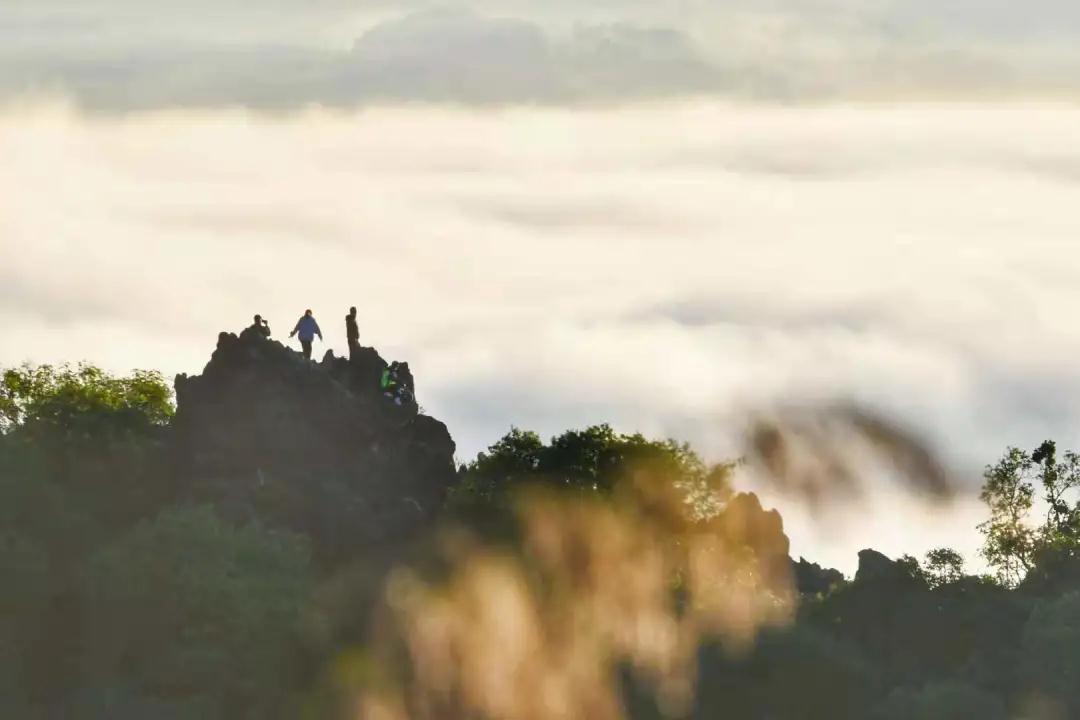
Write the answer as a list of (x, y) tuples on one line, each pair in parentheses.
[(282, 54), (665, 216)]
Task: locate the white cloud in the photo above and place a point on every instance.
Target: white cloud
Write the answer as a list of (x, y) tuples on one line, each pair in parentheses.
[(666, 268), (438, 55), (118, 55)]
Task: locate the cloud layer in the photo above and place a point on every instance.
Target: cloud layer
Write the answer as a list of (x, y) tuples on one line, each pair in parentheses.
[(117, 55), (667, 268)]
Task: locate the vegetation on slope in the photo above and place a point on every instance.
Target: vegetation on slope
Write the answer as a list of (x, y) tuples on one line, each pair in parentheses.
[(127, 595)]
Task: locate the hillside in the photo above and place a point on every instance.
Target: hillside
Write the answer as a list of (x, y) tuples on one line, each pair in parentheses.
[(286, 541)]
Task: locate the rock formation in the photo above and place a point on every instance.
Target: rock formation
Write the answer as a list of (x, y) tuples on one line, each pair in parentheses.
[(877, 568), (812, 579), (313, 447)]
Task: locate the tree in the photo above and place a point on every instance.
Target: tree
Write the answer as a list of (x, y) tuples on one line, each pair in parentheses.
[(97, 437), (514, 458), (795, 673), (1051, 651), (189, 609), (1009, 546), (69, 397), (909, 566), (944, 566), (1060, 481), (592, 460), (1013, 545)]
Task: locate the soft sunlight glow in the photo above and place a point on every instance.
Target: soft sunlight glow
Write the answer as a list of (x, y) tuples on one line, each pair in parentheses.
[(663, 267)]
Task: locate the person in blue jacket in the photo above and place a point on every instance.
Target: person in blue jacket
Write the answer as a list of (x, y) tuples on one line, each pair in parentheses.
[(307, 329)]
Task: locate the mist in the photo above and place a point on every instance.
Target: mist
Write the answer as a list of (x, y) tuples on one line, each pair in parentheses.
[(666, 267)]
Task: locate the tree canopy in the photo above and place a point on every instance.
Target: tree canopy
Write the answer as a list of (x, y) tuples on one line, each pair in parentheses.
[(1016, 540), (592, 460), (127, 596), (84, 395)]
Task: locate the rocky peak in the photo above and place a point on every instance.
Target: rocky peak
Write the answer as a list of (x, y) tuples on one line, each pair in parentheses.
[(313, 446)]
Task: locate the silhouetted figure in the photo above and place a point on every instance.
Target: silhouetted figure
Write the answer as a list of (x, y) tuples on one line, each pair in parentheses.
[(388, 382), (395, 383), (307, 329), (352, 333), (261, 327)]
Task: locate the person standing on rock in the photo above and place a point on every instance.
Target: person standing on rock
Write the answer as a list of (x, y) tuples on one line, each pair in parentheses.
[(260, 327), (307, 329), (352, 333)]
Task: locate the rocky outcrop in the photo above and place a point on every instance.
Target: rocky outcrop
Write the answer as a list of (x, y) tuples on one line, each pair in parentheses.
[(812, 579), (315, 447), (877, 568), (744, 523)]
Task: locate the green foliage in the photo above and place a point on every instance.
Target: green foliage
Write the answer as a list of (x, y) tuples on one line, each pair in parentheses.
[(24, 574), (81, 462), (800, 673), (592, 460), (1051, 650), (121, 601), (814, 676), (944, 566), (1010, 540), (941, 701), (81, 396), (95, 438), (43, 539), (1014, 545), (125, 703), (910, 567), (34, 506), (1060, 482), (26, 583), (188, 608), (515, 458)]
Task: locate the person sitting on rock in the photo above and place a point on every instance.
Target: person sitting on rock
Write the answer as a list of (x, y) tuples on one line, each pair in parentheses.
[(307, 329), (404, 384), (260, 327), (352, 333), (388, 382), (394, 386)]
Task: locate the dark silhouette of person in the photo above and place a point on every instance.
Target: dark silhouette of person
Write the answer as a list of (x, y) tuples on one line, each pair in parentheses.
[(388, 380), (352, 333), (260, 327), (307, 329), (396, 383)]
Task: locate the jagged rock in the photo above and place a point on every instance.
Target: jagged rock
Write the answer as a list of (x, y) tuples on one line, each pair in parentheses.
[(813, 579), (877, 568), (744, 523), (314, 447)]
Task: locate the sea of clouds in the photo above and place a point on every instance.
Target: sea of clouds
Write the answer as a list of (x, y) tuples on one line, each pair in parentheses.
[(667, 267)]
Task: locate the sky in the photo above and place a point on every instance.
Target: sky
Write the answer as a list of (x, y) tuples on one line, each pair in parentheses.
[(667, 216)]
